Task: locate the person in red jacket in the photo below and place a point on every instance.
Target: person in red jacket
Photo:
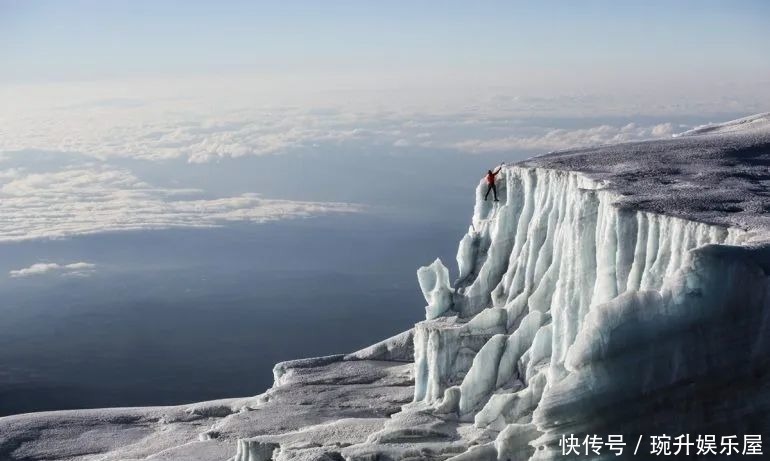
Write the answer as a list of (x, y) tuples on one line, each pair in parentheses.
[(491, 182)]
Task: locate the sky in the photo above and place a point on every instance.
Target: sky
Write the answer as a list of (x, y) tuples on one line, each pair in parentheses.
[(560, 43)]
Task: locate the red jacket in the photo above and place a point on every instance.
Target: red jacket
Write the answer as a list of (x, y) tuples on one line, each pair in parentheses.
[(491, 177)]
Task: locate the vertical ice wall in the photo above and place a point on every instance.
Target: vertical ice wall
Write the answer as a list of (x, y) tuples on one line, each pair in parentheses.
[(547, 278)]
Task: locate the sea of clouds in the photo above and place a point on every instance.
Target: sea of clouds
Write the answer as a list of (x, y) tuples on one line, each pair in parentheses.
[(91, 131)]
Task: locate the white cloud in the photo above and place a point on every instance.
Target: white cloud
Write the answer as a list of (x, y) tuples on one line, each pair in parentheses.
[(130, 121), (560, 139), (87, 200), (78, 269), (282, 130), (141, 133), (662, 130)]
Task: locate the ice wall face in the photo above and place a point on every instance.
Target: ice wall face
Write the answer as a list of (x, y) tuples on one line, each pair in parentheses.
[(568, 306)]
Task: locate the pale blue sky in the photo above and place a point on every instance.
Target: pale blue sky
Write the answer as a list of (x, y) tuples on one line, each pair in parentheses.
[(609, 40)]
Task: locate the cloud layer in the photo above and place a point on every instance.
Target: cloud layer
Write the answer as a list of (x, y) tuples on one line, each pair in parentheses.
[(78, 269), (286, 130), (202, 126), (92, 199), (560, 139)]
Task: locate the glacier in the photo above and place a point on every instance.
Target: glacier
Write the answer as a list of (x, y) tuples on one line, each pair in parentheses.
[(618, 289)]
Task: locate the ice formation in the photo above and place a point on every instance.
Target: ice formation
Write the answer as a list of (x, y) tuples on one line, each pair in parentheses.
[(434, 283), (626, 296), (614, 290)]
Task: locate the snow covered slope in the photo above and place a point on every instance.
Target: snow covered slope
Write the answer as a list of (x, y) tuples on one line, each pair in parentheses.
[(613, 290), (320, 406)]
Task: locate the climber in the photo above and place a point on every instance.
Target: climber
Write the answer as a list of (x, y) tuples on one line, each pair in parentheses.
[(491, 182)]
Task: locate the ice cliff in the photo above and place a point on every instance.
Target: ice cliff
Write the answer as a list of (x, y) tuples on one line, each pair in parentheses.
[(613, 290), (620, 289)]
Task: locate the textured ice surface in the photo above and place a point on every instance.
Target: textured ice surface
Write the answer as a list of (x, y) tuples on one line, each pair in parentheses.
[(716, 174), (319, 408), (613, 290)]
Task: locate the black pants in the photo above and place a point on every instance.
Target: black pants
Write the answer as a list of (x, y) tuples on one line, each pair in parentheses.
[(493, 189)]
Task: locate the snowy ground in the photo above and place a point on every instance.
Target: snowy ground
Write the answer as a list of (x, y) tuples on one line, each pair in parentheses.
[(620, 289), (718, 174), (317, 408)]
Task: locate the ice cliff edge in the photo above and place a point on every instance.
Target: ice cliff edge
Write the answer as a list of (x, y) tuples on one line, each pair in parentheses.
[(621, 289)]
